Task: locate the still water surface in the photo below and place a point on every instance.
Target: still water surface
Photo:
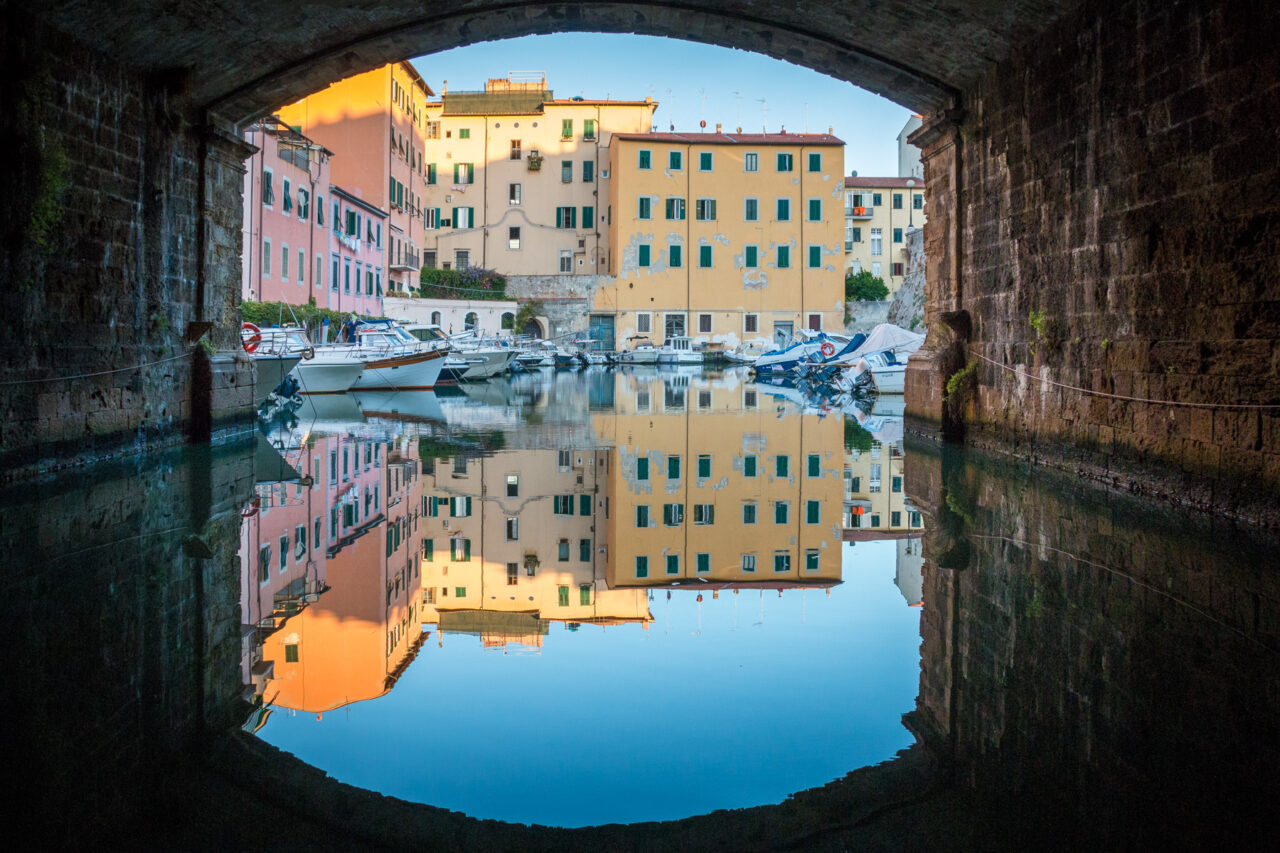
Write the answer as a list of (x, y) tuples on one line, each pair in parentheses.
[(583, 598)]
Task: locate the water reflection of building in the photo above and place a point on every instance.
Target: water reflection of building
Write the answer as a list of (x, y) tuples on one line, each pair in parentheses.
[(875, 505), (510, 543), (711, 482), (344, 616)]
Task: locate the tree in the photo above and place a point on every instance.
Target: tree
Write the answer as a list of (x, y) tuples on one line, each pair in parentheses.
[(528, 311), (864, 287)]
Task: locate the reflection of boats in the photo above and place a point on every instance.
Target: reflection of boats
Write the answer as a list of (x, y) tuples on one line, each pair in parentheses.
[(679, 350), (881, 359), (272, 369), (400, 405)]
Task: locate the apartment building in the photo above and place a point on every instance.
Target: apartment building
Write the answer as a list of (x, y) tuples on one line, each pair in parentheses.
[(878, 212), (286, 242), (515, 177), (875, 504), (723, 237), (376, 124), (708, 484), (356, 273)]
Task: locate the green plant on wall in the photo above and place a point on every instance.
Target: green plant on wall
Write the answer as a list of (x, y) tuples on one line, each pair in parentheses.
[(1046, 330), (528, 311)]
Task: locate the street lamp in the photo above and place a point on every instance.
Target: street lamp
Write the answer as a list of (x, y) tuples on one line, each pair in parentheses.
[(911, 203)]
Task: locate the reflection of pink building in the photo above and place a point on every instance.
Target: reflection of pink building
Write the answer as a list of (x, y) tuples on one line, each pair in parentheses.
[(356, 273), (286, 229)]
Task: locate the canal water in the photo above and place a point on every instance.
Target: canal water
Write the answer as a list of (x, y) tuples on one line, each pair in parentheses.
[(582, 598)]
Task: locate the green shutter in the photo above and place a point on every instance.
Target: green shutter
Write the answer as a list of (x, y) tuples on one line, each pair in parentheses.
[(468, 509), (642, 469), (704, 256), (588, 171), (752, 259), (645, 161), (815, 162), (812, 512), (471, 173), (644, 255), (584, 504), (673, 467), (455, 217), (457, 172), (704, 161), (471, 217), (588, 216), (815, 257), (815, 465), (704, 466), (429, 549), (584, 552), (673, 255), (815, 210), (704, 563), (784, 257), (784, 210), (559, 217), (748, 466), (566, 128), (782, 466), (584, 590), (431, 173), (466, 550)]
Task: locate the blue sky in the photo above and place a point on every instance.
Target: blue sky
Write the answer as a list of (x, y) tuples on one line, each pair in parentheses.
[(691, 82)]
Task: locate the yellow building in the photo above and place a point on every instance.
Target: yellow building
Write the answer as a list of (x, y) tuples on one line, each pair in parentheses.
[(515, 177), (723, 237), (875, 505), (707, 483), (878, 212), (510, 543), (375, 123)]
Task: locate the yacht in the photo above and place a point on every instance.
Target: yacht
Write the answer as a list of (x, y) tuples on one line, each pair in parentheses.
[(322, 369), (639, 350), (394, 359), (679, 350), (483, 358)]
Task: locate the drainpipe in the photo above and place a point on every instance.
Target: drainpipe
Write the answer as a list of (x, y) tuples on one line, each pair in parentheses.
[(484, 204)]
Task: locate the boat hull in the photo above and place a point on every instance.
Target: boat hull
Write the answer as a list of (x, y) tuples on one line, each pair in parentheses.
[(486, 363), (327, 376), (271, 370), (418, 371)]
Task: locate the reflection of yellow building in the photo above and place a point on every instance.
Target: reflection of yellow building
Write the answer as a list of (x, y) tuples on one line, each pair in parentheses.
[(724, 237), (510, 543), (874, 501), (516, 178), (353, 642), (708, 483)]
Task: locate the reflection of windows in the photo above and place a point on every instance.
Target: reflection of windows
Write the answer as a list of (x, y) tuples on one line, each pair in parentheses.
[(673, 564), (895, 519), (874, 485), (584, 594), (748, 562), (642, 405), (513, 485), (264, 564), (704, 513), (781, 561), (460, 549), (299, 541), (284, 552), (564, 458), (704, 399), (291, 653), (703, 563), (896, 484), (811, 560)]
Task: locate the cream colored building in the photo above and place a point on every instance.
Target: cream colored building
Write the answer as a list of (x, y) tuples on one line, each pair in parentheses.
[(516, 178), (878, 212), (723, 237), (874, 500), (514, 540), (707, 483), (375, 124)]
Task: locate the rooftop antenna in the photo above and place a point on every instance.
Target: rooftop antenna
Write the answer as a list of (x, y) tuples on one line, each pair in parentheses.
[(738, 97), (702, 107), (764, 105), (671, 102)]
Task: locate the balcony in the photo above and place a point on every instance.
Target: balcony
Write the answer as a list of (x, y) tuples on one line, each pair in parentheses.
[(535, 162), (859, 212)]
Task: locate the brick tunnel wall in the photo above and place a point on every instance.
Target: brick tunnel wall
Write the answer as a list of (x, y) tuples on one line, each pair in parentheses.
[(103, 254), (1118, 229)]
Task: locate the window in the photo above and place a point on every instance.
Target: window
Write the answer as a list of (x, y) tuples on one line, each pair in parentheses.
[(751, 322), (897, 235), (284, 262), (266, 257), (302, 265), (643, 252), (674, 255), (675, 208), (876, 199), (704, 161), (875, 268), (856, 236), (562, 504), (562, 555), (877, 241), (814, 465), (815, 162), (644, 323), (673, 514), (673, 467), (584, 550), (642, 515), (815, 257), (704, 514), (704, 400), (431, 174), (751, 162), (588, 171), (644, 159), (513, 529), (812, 512), (917, 202), (748, 562), (895, 269), (584, 504), (566, 171), (785, 162), (784, 257), (459, 551), (513, 193), (704, 257), (749, 466), (268, 188), (751, 210), (513, 485), (515, 149), (895, 519), (642, 567), (781, 512), (704, 321), (705, 209), (642, 468), (291, 653), (644, 207), (875, 520), (897, 201), (782, 465), (673, 564), (781, 561), (784, 210), (464, 217), (567, 217), (815, 210), (429, 550), (566, 260), (460, 507), (811, 560), (566, 128), (704, 465), (895, 484), (675, 160), (513, 237), (751, 257), (513, 574), (463, 173), (589, 129), (749, 512)]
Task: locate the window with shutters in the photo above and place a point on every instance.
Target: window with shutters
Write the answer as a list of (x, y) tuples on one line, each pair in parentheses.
[(513, 529), (566, 128), (515, 150), (644, 207), (751, 210), (588, 129), (642, 468), (749, 466), (673, 467), (784, 257), (815, 210), (675, 208), (644, 323), (566, 217), (815, 162), (750, 323), (588, 171), (464, 173), (675, 257), (897, 235), (566, 171), (673, 514), (751, 257), (675, 160), (704, 514), (584, 550), (588, 217), (514, 192), (705, 209), (644, 159), (266, 258), (642, 567), (704, 322), (748, 562), (642, 254), (704, 257), (812, 512), (781, 562), (815, 257), (642, 515), (751, 162), (897, 201), (268, 188), (811, 560), (704, 161), (781, 511), (783, 209), (562, 555), (749, 512), (513, 237), (785, 162), (814, 465)]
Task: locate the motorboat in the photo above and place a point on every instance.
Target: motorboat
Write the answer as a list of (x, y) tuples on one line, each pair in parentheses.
[(394, 359), (639, 350), (272, 369), (881, 370), (679, 350), (746, 352), (802, 348), (588, 351), (485, 358), (537, 354), (321, 369)]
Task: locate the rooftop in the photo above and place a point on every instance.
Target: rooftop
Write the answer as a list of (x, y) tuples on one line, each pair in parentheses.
[(855, 182), (735, 138)]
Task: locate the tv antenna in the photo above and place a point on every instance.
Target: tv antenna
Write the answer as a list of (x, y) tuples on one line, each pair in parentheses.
[(764, 105), (702, 107), (738, 97)]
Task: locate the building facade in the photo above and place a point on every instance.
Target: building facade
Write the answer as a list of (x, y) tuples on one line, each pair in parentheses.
[(484, 316), (376, 124), (909, 165), (722, 237), (286, 241), (356, 264), (878, 212), (515, 177)]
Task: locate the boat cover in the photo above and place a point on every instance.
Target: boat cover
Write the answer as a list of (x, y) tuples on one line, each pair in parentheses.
[(886, 336)]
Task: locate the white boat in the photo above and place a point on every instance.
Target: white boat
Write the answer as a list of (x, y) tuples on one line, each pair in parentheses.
[(322, 370), (880, 369), (805, 347), (679, 350), (746, 353), (537, 354), (394, 359), (640, 350), (485, 357), (400, 406), (271, 370)]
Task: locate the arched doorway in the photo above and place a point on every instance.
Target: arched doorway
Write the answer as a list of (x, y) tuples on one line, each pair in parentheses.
[(532, 328), (471, 323)]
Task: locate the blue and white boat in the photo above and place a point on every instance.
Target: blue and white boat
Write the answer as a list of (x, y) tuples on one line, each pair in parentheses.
[(801, 350)]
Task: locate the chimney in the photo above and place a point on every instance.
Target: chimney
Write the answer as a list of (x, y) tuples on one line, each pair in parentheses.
[(718, 130), (831, 130)]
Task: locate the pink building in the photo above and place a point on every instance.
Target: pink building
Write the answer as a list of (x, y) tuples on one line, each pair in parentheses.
[(356, 263), (287, 241)]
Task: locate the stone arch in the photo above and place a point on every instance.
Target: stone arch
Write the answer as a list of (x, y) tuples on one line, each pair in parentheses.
[(533, 328)]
